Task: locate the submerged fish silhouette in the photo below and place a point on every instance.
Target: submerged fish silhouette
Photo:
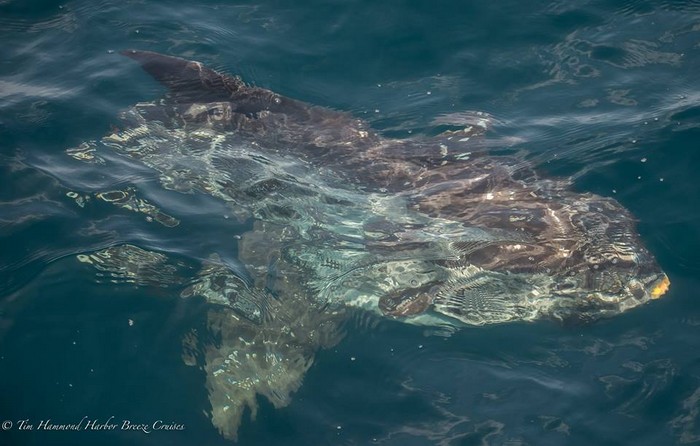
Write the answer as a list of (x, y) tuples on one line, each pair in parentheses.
[(429, 231)]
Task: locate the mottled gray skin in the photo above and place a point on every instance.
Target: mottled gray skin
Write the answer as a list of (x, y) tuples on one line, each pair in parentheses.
[(429, 231), (587, 243)]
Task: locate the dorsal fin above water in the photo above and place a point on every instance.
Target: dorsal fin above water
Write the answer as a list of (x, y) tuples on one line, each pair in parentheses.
[(191, 82), (188, 81)]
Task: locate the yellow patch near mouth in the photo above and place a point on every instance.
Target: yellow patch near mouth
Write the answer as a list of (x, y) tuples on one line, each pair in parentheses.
[(660, 288)]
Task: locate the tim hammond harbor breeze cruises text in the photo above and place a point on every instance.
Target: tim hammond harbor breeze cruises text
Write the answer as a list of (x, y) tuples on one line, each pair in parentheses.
[(87, 424)]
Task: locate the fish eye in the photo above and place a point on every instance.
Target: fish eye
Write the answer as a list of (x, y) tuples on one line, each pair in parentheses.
[(565, 286), (636, 289)]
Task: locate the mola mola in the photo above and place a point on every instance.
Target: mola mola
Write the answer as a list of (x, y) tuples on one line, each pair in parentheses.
[(432, 231)]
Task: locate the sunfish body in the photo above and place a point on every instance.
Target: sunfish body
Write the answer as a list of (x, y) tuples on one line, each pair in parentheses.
[(587, 244), (429, 231)]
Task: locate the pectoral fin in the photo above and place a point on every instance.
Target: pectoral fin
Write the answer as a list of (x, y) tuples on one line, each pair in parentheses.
[(481, 297)]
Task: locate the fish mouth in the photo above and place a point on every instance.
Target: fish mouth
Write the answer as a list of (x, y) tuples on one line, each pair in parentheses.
[(650, 288), (659, 287)]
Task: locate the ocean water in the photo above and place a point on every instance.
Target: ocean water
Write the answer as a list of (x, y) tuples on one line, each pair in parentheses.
[(605, 92)]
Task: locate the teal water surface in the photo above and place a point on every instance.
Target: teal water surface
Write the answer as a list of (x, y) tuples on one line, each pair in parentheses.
[(604, 92)]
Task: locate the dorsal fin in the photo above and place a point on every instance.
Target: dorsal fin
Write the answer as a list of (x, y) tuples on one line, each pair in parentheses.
[(188, 81), (191, 82)]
